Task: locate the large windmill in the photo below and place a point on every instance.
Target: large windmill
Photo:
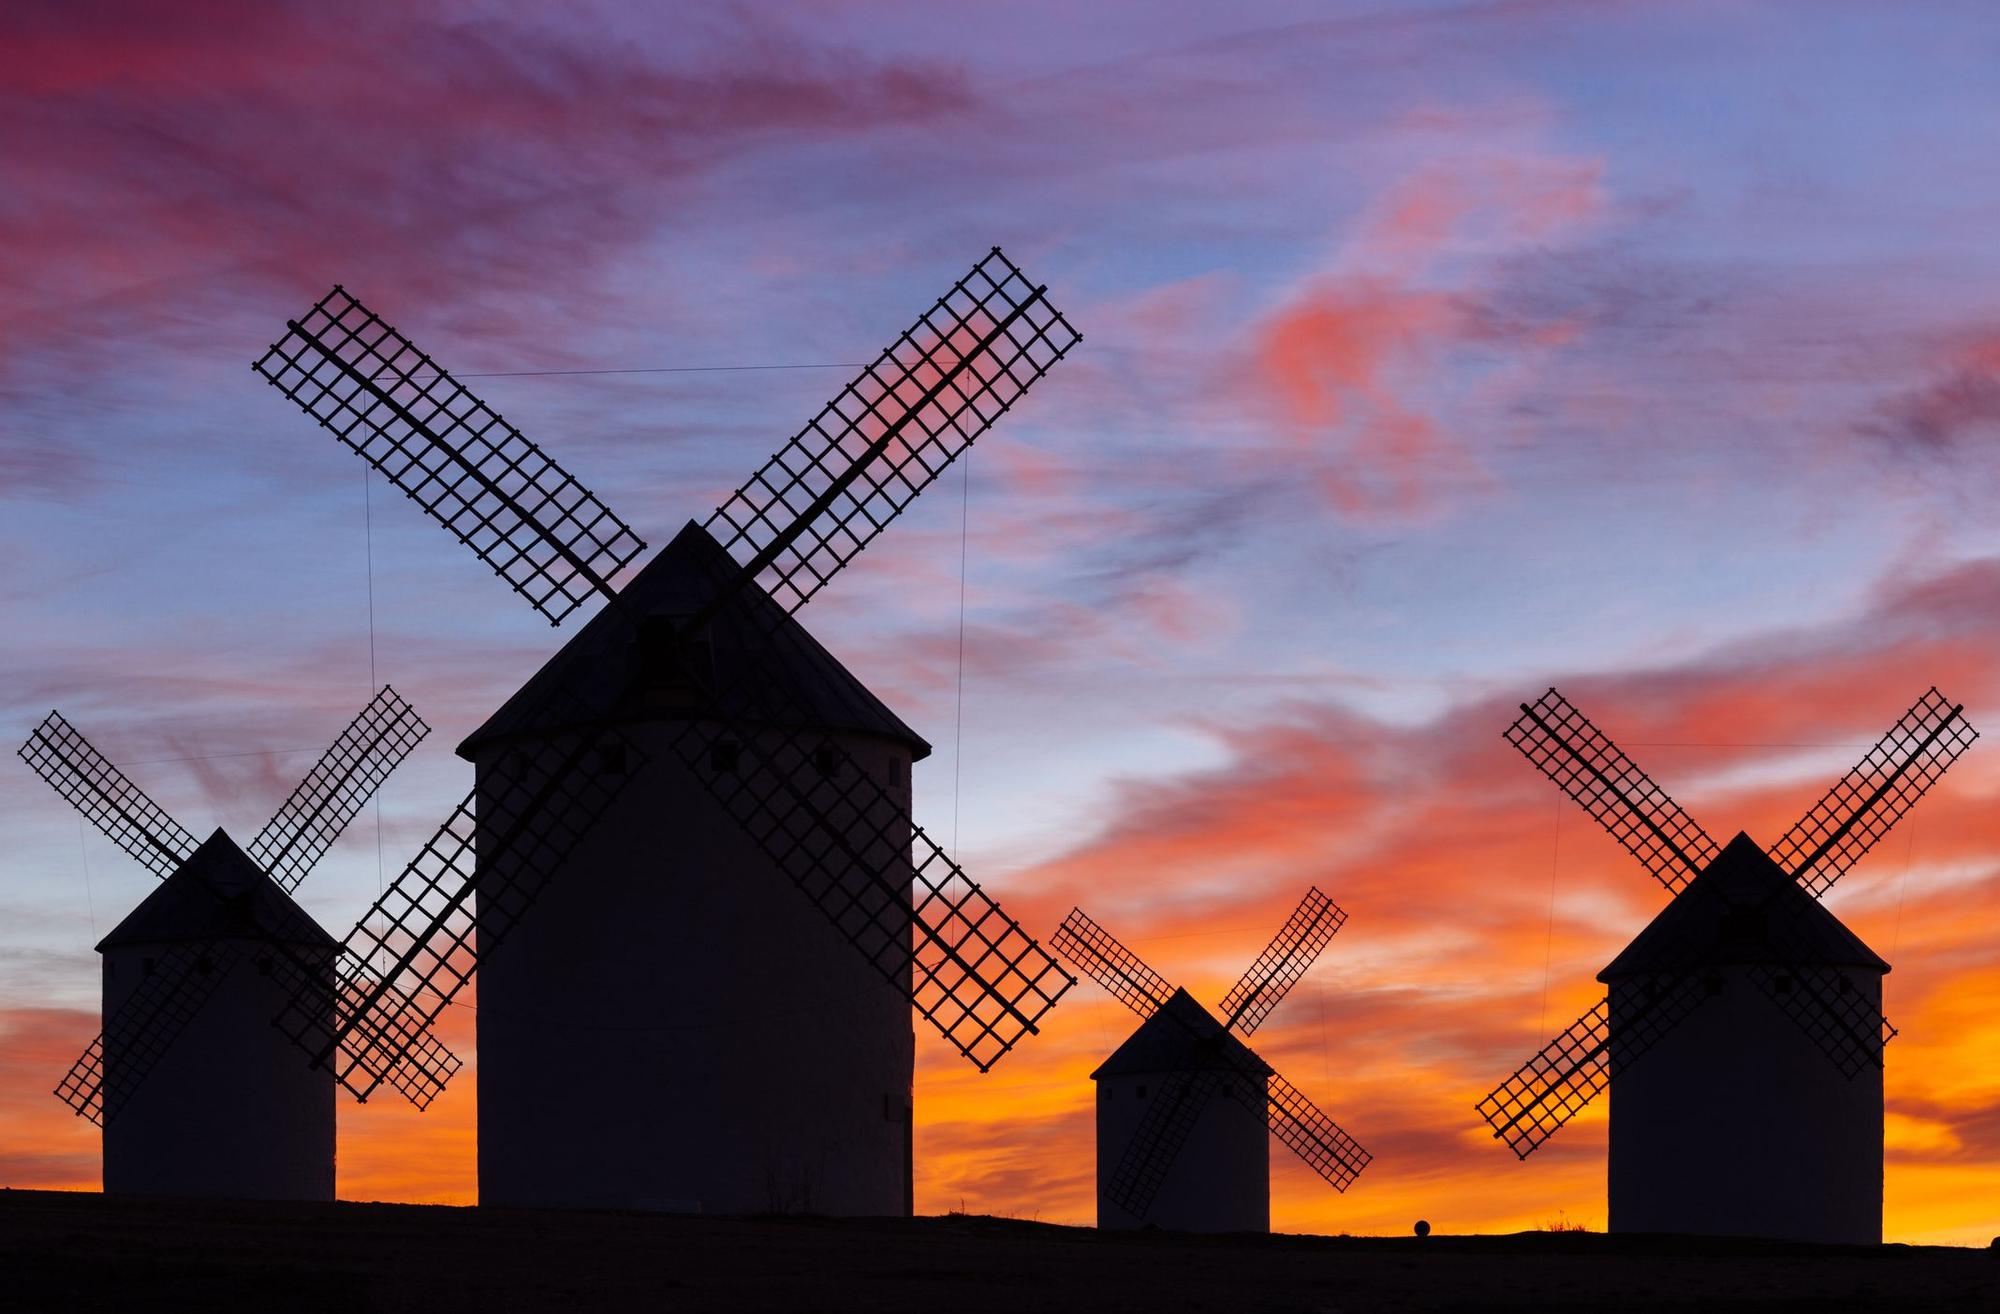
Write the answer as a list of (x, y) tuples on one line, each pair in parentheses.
[(1759, 1109), (195, 1090), (678, 1028), (1169, 1154)]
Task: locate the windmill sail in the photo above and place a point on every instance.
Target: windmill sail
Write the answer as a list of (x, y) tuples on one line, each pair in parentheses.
[(1864, 804), (1586, 765), (60, 754), (925, 399), (1289, 956), (337, 788), (502, 496), (1122, 973)]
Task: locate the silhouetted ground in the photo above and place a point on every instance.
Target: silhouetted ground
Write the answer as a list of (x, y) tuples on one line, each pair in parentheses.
[(63, 1251)]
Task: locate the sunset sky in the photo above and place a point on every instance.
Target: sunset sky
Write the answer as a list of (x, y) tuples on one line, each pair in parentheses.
[(1433, 354)]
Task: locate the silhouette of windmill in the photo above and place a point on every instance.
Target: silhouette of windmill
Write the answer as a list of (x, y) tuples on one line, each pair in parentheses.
[(728, 756), (195, 1090), (1168, 1153), (1733, 1127)]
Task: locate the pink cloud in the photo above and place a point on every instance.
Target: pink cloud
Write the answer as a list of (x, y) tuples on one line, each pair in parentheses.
[(161, 160), (1349, 361)]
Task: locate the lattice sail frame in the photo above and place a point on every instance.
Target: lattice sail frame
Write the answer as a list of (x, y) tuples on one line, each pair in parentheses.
[(346, 776), (1559, 1081), (880, 442), (1865, 803), (1284, 961), (182, 979), (59, 754), (526, 517), (1170, 1119), (1584, 763), (1122, 974)]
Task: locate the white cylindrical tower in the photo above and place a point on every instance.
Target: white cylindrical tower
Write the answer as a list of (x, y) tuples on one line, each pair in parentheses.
[(1736, 1122), (230, 1107), (674, 1024), (1220, 1178)]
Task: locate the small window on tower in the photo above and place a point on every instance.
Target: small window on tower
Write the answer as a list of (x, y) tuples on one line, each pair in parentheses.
[(264, 965), (826, 761), (671, 661), (723, 756), (1142, 1092), (1783, 984), (204, 965), (145, 967), (1712, 983), (611, 760)]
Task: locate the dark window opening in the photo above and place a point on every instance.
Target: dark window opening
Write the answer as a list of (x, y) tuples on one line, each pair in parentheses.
[(670, 660), (611, 760), (204, 965), (145, 967), (1142, 1092), (1713, 984), (826, 761), (1783, 984), (264, 965), (723, 756)]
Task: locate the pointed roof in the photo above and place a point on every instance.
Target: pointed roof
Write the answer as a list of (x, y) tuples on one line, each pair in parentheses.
[(219, 893), (1724, 914), (1180, 1036), (601, 667)]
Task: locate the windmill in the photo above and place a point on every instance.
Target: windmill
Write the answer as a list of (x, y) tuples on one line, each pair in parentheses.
[(195, 1091), (1742, 989), (1168, 1153), (631, 1050)]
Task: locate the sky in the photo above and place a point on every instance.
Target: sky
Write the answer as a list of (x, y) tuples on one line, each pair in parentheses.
[(1433, 355)]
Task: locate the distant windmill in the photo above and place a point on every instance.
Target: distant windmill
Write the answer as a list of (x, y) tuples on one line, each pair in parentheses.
[(675, 1028), (1736, 1126), (1168, 1153), (196, 1091)]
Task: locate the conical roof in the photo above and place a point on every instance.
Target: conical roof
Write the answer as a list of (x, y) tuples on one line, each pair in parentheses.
[(217, 894), (1742, 909), (602, 671), (1180, 1036)]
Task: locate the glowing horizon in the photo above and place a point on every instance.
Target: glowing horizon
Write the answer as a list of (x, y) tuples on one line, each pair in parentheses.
[(1433, 354)]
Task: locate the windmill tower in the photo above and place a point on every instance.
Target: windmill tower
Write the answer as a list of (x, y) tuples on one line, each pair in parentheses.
[(675, 1027), (1758, 1108), (197, 1092), (1169, 1153)]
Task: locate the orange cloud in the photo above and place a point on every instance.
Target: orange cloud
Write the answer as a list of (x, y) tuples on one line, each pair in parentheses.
[(1481, 904)]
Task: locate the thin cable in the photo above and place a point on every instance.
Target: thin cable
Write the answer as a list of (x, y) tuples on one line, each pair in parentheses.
[(368, 541), (1549, 940), (958, 726), (1902, 885), (651, 369), (83, 852)]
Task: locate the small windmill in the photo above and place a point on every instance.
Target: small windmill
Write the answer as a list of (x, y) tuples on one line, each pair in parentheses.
[(695, 683), (194, 1089), (1736, 1125), (1168, 1154)]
